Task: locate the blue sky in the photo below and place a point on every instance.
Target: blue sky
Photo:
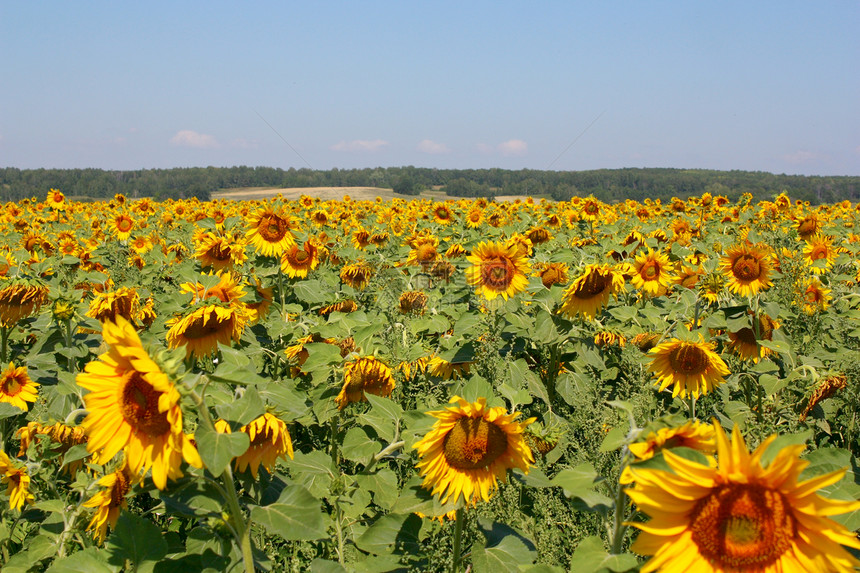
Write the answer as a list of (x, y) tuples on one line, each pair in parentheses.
[(761, 86)]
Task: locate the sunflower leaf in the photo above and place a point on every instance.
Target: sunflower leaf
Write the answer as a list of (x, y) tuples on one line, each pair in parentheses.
[(578, 483), (244, 410), (296, 516), (358, 446), (136, 539), (217, 449), (392, 533), (90, 560)]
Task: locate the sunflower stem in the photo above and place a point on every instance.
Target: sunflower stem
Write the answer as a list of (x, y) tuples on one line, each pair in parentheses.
[(68, 336), (281, 294), (458, 540), (4, 346), (618, 527)]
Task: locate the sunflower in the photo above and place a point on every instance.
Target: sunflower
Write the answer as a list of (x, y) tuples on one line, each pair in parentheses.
[(60, 434), (590, 210), (17, 482), (56, 200), (270, 440), (691, 366), (364, 375), (16, 388), (204, 328), (443, 214), (296, 262), (740, 515), (823, 390), (744, 341), (356, 275), (497, 270), (552, 273), (109, 502), (590, 291), (123, 226), (469, 448), (133, 406), (259, 308), (747, 269), (219, 253), (816, 297), (107, 306), (424, 252), (20, 299), (474, 218), (809, 226), (694, 434), (413, 302), (653, 273), (270, 232), (441, 368), (819, 248), (345, 306)]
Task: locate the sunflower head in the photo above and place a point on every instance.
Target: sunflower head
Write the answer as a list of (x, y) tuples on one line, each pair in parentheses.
[(688, 366), (497, 270), (364, 375), (16, 388), (470, 447), (591, 291), (270, 232)]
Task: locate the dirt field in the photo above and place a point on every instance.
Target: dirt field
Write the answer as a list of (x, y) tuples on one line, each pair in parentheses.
[(326, 193)]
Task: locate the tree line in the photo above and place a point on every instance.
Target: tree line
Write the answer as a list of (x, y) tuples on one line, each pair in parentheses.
[(605, 184)]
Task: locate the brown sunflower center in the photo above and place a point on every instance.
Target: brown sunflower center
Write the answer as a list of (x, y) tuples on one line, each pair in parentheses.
[(119, 489), (272, 228), (550, 277), (139, 406), (497, 273), (650, 271), (746, 268), (474, 443), (367, 376), (594, 284), (220, 252), (819, 253), (425, 253), (741, 526), (689, 359), (124, 224), (204, 326), (745, 336), (301, 257), (11, 385)]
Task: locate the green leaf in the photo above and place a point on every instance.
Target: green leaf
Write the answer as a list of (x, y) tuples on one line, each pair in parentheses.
[(325, 566), (614, 439), (358, 446), (217, 449), (392, 533), (520, 374), (590, 557), (195, 498), (296, 516), (311, 291), (579, 482), (7, 410), (771, 384), (90, 560), (315, 471), (433, 324), (505, 549), (382, 485), (383, 416), (321, 356), (244, 410), (135, 539)]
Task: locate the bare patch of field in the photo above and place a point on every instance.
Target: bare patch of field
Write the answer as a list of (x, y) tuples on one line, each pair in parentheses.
[(324, 193)]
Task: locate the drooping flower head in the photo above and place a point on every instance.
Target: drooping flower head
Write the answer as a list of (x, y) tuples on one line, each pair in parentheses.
[(20, 299), (497, 270), (17, 482), (591, 291), (687, 366), (740, 515), (364, 375), (134, 407), (110, 501), (470, 448), (270, 441)]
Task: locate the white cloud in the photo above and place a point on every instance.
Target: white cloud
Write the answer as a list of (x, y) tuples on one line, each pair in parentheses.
[(242, 143), (484, 148), (188, 138), (800, 156), (359, 145), (430, 146), (513, 147)]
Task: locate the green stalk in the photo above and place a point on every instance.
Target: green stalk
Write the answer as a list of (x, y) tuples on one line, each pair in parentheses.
[(68, 334), (4, 344), (458, 540), (241, 528), (281, 293)]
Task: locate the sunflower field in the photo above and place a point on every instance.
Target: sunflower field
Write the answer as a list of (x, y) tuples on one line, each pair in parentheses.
[(468, 385)]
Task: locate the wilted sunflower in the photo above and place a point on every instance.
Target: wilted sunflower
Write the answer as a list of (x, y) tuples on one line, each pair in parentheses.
[(424, 252), (17, 482), (110, 501), (356, 275), (654, 273), (747, 269), (20, 299), (133, 406), (296, 262), (809, 226), (591, 290), (739, 515), (106, 306), (469, 448), (270, 440), (497, 270), (413, 302), (16, 388), (690, 366), (345, 306), (270, 232), (364, 375), (819, 248), (441, 368)]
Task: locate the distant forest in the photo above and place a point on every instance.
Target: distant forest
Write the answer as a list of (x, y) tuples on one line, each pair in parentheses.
[(605, 184)]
